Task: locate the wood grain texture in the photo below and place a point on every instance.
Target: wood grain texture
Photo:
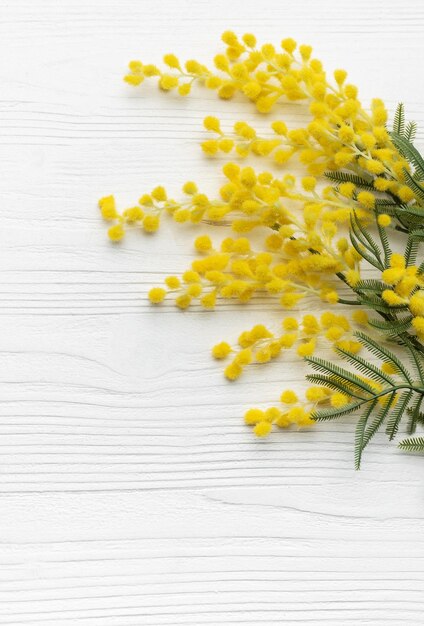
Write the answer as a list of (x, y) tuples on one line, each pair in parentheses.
[(130, 492)]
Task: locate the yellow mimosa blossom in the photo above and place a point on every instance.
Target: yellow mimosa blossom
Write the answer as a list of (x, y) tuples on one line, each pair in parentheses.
[(156, 295), (296, 242)]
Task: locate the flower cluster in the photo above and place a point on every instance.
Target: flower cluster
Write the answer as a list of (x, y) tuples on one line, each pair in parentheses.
[(405, 290), (341, 132), (302, 253), (261, 344), (315, 238)]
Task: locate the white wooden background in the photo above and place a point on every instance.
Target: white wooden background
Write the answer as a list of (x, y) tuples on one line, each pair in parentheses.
[(131, 492)]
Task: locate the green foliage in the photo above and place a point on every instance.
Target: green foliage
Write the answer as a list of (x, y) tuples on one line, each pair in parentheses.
[(413, 444), (399, 120), (414, 185), (391, 327), (377, 397), (408, 150), (407, 131), (409, 215), (364, 243), (410, 131), (347, 177), (394, 321)]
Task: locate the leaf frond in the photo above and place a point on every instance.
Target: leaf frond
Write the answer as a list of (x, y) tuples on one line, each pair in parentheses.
[(335, 384), (399, 120), (322, 415), (368, 369), (347, 177), (392, 328), (378, 420), (410, 131), (326, 367), (411, 154), (398, 412), (414, 185), (415, 415), (360, 432), (383, 353), (373, 247), (413, 444)]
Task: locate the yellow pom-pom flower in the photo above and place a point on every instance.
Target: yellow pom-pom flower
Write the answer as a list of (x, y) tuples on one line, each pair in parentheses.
[(290, 323), (184, 89), (116, 232), (151, 223), (254, 416), (183, 301), (203, 243), (210, 146), (168, 82), (157, 295), (316, 394), (367, 199), (172, 282), (221, 350), (384, 220), (288, 397), (262, 429), (249, 40), (307, 348), (212, 123), (392, 298), (338, 400), (397, 260), (233, 371), (108, 208), (190, 188), (416, 303), (389, 368), (289, 45), (418, 324)]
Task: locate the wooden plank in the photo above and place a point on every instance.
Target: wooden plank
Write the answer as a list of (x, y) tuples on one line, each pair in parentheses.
[(131, 493)]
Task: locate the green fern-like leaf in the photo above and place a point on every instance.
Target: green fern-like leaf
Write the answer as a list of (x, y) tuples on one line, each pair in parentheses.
[(377, 397), (392, 327), (382, 352), (413, 444), (347, 177), (374, 301), (331, 382), (410, 131), (364, 243), (414, 185), (399, 120), (366, 368), (386, 204), (322, 415), (372, 245), (416, 359), (360, 432), (411, 212), (397, 413), (411, 154), (351, 379), (370, 284), (412, 246), (379, 419), (415, 416), (384, 242)]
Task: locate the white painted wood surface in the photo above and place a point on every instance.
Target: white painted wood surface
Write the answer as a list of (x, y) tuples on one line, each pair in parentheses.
[(130, 491)]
